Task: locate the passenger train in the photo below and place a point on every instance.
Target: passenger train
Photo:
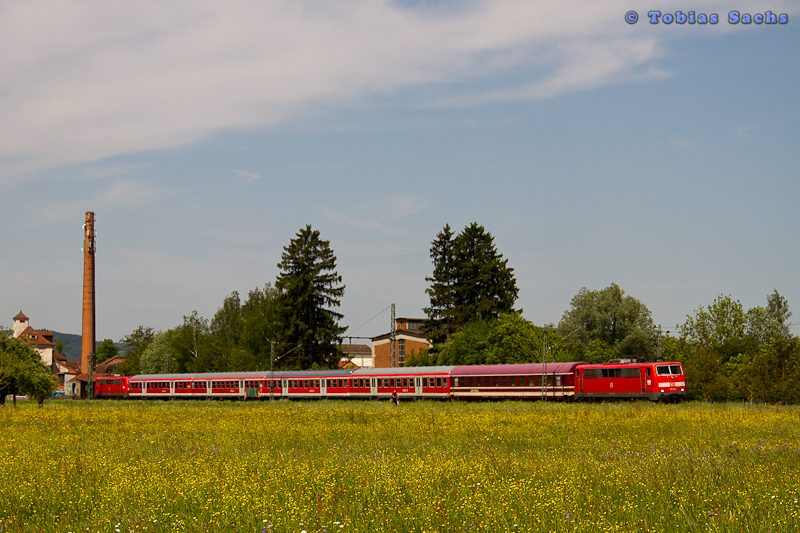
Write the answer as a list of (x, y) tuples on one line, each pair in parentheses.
[(577, 381)]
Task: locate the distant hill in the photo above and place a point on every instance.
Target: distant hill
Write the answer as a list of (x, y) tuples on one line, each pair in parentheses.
[(73, 344)]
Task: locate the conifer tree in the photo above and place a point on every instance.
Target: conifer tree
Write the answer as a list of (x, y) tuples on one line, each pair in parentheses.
[(441, 323), (471, 281), (485, 285), (309, 287)]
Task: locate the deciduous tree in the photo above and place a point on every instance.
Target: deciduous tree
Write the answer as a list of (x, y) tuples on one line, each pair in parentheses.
[(22, 370), (105, 351), (135, 344), (621, 322)]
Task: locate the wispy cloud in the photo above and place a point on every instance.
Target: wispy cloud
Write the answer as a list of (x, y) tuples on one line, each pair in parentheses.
[(119, 193), (248, 176), (355, 222), (81, 81)]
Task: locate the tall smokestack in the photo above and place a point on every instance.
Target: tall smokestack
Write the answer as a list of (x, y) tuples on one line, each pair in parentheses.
[(87, 337)]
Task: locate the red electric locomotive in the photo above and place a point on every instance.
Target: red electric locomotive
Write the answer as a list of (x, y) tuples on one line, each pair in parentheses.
[(655, 381)]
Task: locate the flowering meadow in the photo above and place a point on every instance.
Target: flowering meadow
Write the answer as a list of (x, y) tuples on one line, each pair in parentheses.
[(420, 467)]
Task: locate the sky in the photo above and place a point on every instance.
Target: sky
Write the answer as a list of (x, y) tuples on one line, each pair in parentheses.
[(204, 135)]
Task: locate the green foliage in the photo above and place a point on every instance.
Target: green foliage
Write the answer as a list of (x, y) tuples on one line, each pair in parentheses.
[(607, 322), (471, 282), (441, 323), (485, 286), (135, 344), (736, 355), (309, 287), (105, 351), (508, 339), (421, 357), (468, 346), (60, 346), (723, 320), (513, 339), (192, 346), (22, 370), (157, 357), (778, 310)]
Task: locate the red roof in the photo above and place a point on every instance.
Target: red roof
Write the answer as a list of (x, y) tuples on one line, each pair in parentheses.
[(36, 338), (20, 316)]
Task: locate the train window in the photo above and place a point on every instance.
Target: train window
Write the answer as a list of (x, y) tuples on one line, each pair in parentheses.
[(316, 383), (662, 370), (425, 382), (438, 383), (675, 369), (405, 383)]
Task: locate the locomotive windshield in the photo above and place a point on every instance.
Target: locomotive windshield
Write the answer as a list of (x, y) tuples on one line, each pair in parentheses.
[(667, 370)]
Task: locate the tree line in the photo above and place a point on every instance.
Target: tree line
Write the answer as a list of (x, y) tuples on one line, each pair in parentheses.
[(727, 353)]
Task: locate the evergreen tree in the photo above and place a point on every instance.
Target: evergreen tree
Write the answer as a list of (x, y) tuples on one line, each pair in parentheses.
[(441, 325), (485, 286), (309, 287)]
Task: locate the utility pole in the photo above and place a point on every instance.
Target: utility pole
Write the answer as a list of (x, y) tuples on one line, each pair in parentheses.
[(91, 376), (271, 368), (392, 341), (545, 329), (658, 342)]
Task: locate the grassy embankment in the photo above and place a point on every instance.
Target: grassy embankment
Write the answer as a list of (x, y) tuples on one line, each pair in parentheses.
[(371, 467)]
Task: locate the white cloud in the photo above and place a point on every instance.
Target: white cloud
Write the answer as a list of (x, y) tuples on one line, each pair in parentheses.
[(119, 193), (80, 81), (248, 176), (358, 222)]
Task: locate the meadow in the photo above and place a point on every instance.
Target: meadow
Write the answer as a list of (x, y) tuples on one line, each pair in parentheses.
[(345, 467)]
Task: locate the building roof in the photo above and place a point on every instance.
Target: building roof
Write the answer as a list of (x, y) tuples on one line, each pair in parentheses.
[(403, 333), (355, 349), (40, 339), (20, 316), (108, 365)]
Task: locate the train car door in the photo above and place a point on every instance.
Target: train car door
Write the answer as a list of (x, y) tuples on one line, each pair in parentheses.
[(373, 386), (285, 388), (580, 380), (418, 386), (643, 379)]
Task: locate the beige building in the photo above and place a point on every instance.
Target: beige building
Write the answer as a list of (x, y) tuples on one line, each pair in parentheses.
[(42, 342)]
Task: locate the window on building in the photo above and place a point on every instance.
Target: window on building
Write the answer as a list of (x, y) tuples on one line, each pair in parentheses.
[(401, 352)]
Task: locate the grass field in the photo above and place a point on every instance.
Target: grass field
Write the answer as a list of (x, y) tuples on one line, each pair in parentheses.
[(370, 467)]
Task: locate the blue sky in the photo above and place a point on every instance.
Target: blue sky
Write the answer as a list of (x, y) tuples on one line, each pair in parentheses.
[(203, 135)]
